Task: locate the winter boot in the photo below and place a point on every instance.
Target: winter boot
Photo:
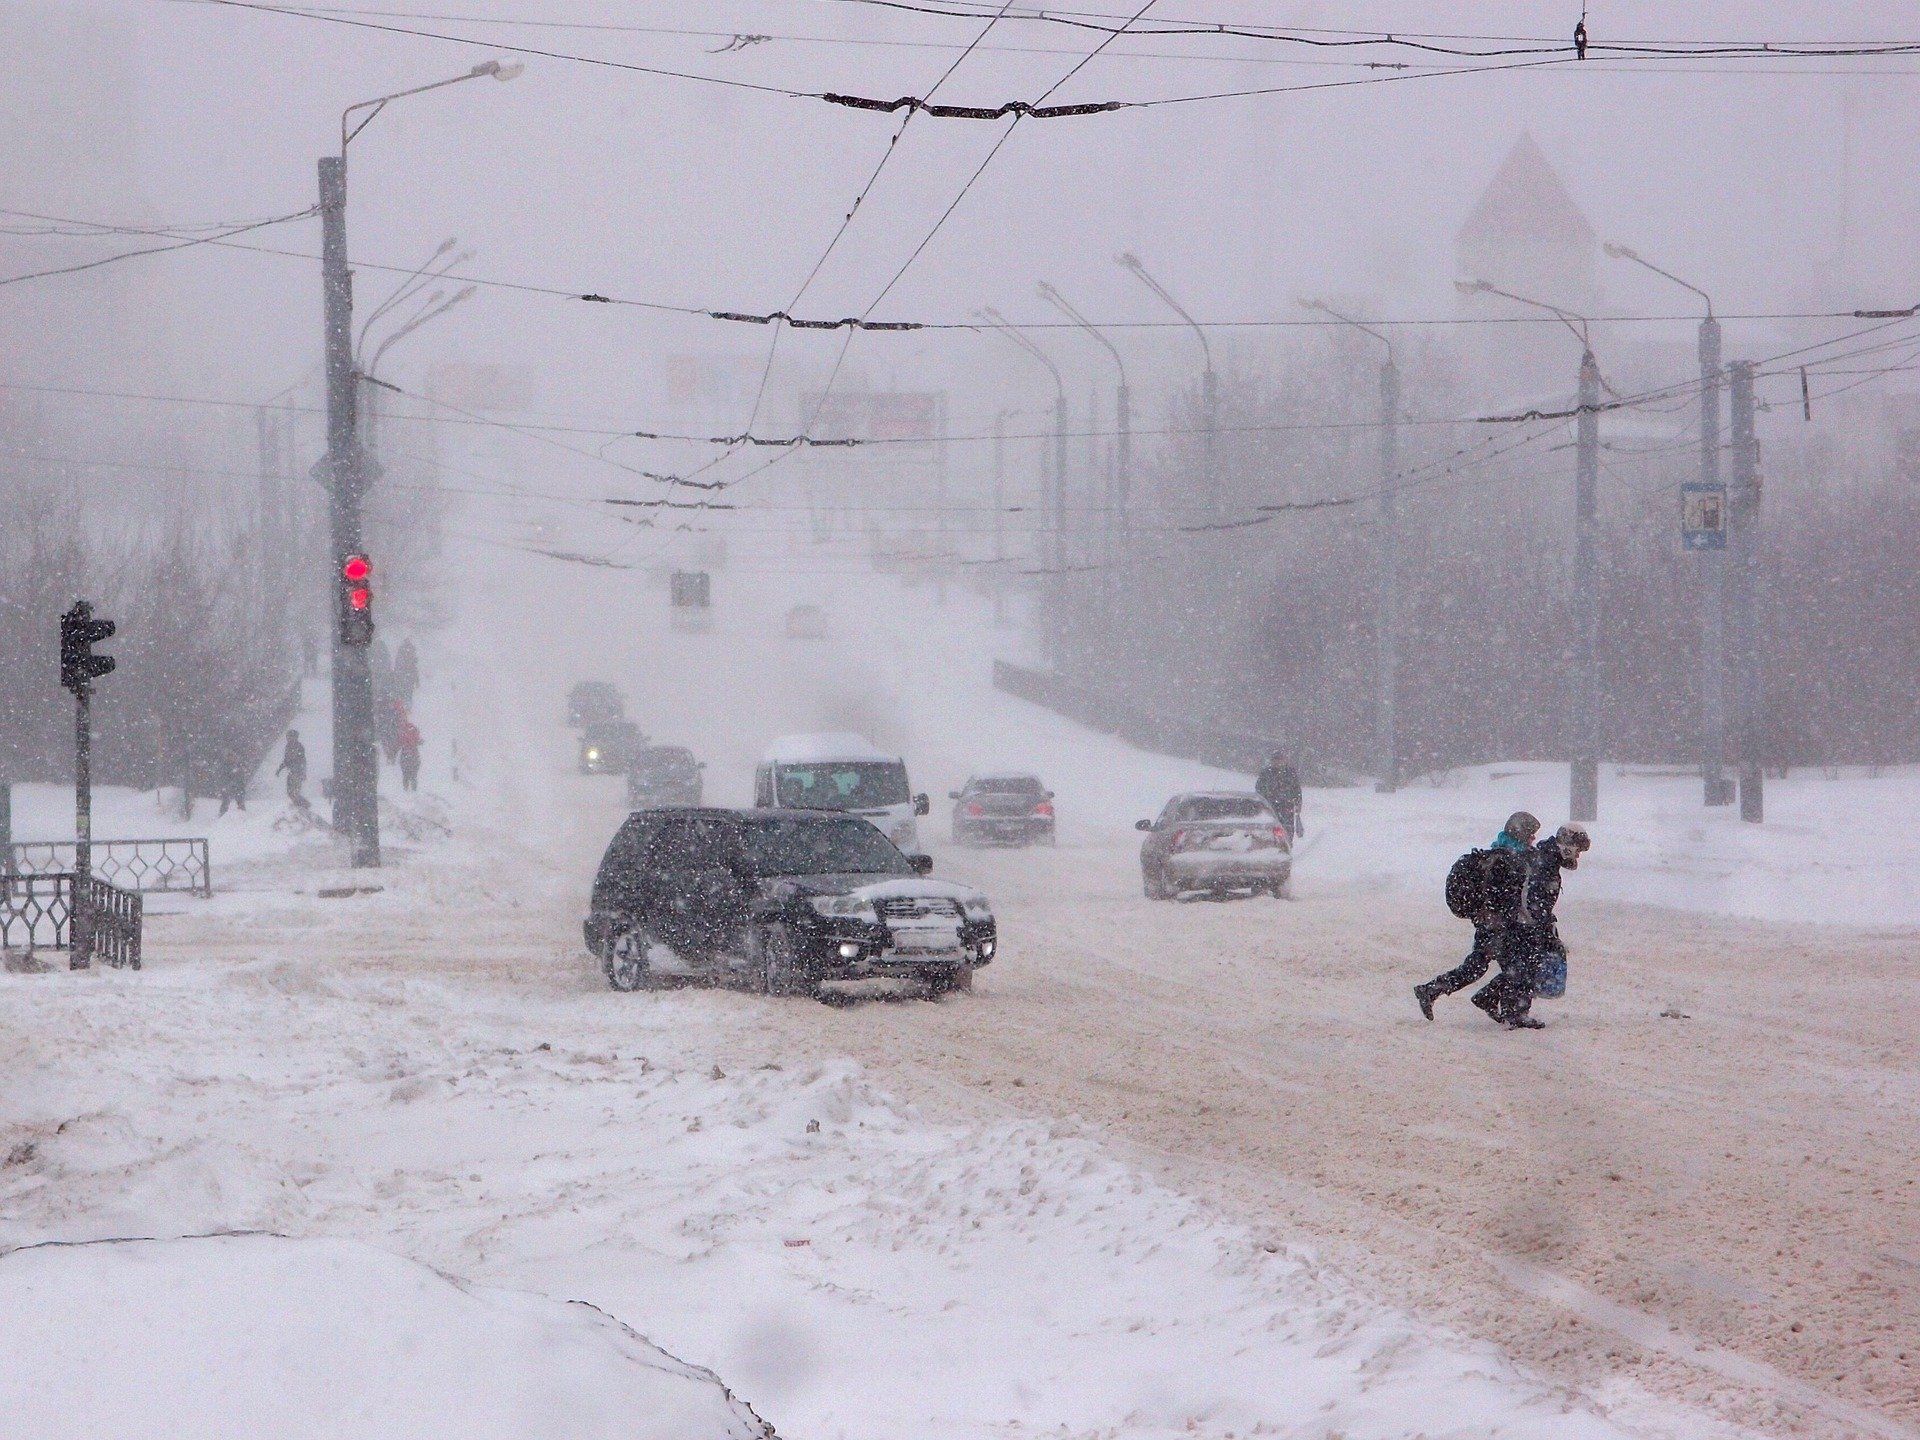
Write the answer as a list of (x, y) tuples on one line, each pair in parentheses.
[(1424, 996)]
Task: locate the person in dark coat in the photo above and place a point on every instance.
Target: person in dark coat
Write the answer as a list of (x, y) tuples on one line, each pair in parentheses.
[(1509, 998), (1279, 785), (233, 775), (408, 750), (293, 764), (1493, 932)]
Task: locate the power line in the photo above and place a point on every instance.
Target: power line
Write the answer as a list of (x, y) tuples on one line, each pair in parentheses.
[(158, 249)]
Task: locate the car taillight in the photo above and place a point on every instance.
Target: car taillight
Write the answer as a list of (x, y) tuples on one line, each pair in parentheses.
[(1179, 839), (1044, 809), (1280, 836), (975, 808)]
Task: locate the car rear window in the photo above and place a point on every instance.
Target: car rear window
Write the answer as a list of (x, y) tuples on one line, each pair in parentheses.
[(1008, 785), (1225, 807)]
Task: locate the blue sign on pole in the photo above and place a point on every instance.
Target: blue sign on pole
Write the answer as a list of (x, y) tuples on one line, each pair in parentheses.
[(1703, 516)]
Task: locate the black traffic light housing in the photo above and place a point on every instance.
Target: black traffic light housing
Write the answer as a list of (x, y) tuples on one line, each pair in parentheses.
[(79, 632), (355, 608)]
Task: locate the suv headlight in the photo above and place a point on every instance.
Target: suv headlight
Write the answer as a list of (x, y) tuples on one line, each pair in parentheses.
[(844, 907)]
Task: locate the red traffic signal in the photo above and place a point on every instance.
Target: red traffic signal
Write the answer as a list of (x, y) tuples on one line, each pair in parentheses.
[(356, 600)]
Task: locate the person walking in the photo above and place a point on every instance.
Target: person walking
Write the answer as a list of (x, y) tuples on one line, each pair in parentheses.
[(233, 774), (407, 747), (1497, 914), (293, 764), (1535, 941), (1279, 785)]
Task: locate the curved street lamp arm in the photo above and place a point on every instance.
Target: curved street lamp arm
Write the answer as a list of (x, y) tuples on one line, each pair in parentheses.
[(432, 311), (375, 106), (411, 286), (1326, 309), (1005, 327), (1621, 252), (1059, 302), (1133, 263)]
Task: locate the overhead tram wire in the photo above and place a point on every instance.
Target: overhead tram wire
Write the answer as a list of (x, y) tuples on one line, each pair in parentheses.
[(574, 293), (1323, 37), (846, 222), (214, 239), (918, 250)]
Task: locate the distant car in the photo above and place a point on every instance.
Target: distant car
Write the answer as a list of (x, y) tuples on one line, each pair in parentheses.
[(1004, 810), (806, 622), (593, 702), (781, 900), (1216, 843), (609, 747), (664, 775)]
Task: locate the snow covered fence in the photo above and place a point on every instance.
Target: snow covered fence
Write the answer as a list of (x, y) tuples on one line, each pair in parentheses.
[(175, 864)]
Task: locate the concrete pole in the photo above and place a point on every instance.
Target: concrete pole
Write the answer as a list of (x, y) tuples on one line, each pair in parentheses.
[(1713, 578), (80, 902), (1210, 452), (1388, 646), (1743, 563), (1000, 518), (1583, 801), (356, 770)]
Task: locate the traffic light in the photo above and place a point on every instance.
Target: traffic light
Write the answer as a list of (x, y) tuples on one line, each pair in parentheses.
[(356, 600), (79, 632)]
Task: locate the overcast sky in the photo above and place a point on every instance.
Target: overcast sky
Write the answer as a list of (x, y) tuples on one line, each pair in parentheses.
[(593, 178)]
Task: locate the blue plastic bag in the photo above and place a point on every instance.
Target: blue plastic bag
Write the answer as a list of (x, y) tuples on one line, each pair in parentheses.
[(1550, 975)]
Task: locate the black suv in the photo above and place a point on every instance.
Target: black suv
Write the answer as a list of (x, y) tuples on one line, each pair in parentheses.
[(782, 900)]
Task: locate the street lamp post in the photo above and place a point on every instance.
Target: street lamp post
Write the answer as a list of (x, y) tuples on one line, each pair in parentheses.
[(1583, 799), (347, 474), (1120, 490), (1713, 619), (1002, 326), (1387, 640), (1209, 389)]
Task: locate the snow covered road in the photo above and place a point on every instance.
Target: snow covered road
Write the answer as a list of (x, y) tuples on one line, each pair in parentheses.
[(1172, 1170)]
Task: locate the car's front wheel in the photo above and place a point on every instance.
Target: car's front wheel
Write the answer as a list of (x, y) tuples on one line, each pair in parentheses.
[(1155, 884), (628, 960), (782, 969)]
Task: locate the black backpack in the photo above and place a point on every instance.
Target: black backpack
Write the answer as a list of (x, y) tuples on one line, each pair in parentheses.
[(1482, 884)]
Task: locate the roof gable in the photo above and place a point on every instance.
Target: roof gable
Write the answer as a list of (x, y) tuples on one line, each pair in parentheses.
[(1526, 200)]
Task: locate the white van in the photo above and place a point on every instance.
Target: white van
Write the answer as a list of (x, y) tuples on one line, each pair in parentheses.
[(841, 772)]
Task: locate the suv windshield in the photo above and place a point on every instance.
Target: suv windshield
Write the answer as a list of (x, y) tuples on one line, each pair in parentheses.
[(843, 785), (1225, 807), (785, 846)]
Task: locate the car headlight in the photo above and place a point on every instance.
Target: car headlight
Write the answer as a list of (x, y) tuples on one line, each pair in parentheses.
[(593, 754), (844, 907)]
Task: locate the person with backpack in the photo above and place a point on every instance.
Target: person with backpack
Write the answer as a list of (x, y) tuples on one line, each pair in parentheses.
[(1487, 887), (1536, 959)]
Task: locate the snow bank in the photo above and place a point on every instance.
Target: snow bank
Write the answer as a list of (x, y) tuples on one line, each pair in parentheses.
[(281, 1339)]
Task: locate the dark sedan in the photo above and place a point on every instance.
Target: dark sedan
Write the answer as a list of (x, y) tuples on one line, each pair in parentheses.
[(1002, 810)]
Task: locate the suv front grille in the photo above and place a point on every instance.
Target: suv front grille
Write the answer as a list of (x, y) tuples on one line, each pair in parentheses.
[(915, 907)]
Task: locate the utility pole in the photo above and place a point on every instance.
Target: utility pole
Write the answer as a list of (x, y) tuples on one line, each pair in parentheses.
[(1743, 525), (79, 668), (1713, 619), (347, 472), (1388, 648), (1000, 518), (1583, 801)]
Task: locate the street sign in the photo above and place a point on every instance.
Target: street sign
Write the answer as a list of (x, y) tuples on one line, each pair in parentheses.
[(1703, 516)]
